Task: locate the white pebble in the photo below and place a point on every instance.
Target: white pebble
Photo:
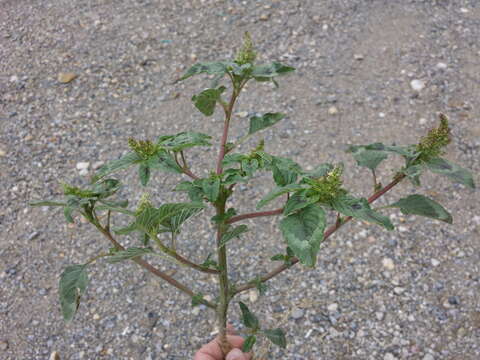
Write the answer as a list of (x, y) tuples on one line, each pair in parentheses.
[(435, 262), (253, 295), (417, 85), (422, 121), (389, 356), (379, 315), (441, 66), (332, 307), (83, 165), (333, 110), (428, 357), (388, 263), (398, 290), (97, 165)]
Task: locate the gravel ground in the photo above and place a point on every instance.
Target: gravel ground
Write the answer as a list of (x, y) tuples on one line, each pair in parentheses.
[(408, 294)]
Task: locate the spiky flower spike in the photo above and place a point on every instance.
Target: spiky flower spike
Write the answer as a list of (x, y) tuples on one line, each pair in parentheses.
[(329, 187), (145, 149), (247, 54), (75, 191), (431, 145), (144, 203)]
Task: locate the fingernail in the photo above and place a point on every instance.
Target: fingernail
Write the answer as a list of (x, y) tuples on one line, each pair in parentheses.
[(235, 354)]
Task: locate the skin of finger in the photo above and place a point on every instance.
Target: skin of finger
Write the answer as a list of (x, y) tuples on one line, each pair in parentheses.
[(212, 350)]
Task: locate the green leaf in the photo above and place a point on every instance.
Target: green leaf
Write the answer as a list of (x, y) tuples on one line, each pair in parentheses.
[(211, 68), (67, 212), (184, 140), (279, 191), (451, 170), (124, 162), (73, 283), (150, 219), (144, 174), (248, 318), (413, 172), (372, 155), (211, 188), (235, 232), (360, 209), (268, 71), (248, 343), (197, 299), (285, 171), (46, 203), (423, 206), (276, 336), (173, 223), (207, 99), (303, 232), (278, 257), (258, 123), (295, 203), (128, 254), (163, 161)]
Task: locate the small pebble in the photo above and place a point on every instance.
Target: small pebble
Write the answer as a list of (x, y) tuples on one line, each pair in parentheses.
[(358, 57), (332, 307), (3, 345), (388, 263), (398, 290), (428, 357), (97, 165), (253, 295), (417, 85), (297, 313), (441, 66), (435, 262), (2, 153), (242, 114), (65, 78), (264, 17), (379, 315), (83, 165), (332, 110), (389, 356), (422, 121), (54, 356)]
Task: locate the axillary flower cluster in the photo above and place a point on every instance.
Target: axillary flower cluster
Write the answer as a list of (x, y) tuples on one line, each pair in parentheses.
[(328, 187), (432, 144), (143, 148)]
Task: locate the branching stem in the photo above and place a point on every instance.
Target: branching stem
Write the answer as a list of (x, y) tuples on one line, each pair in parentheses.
[(327, 234), (153, 269)]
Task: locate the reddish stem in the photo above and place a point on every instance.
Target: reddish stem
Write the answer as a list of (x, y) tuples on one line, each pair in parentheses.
[(254, 215), (326, 235)]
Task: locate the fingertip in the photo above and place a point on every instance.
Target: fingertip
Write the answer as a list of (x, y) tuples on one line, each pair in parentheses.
[(235, 354)]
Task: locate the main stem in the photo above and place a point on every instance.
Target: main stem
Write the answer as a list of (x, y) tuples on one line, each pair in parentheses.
[(224, 298)]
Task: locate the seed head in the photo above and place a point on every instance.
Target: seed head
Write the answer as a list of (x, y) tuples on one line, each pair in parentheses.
[(247, 54)]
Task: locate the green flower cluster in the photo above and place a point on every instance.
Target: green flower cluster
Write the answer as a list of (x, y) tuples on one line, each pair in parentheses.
[(328, 187), (431, 145), (247, 54), (143, 148)]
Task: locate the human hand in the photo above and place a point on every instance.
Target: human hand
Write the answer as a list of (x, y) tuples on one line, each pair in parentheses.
[(213, 351)]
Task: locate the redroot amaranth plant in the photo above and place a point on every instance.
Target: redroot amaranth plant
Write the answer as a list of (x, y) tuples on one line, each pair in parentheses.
[(308, 196)]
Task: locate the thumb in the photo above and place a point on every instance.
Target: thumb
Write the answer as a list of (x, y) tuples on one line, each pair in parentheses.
[(236, 354)]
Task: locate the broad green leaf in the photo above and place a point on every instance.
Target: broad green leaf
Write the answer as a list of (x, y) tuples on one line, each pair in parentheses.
[(173, 223), (144, 174), (285, 171), (113, 208), (421, 205), (303, 232), (258, 123), (106, 188), (212, 68), (126, 230), (276, 336), (319, 171), (372, 155), (360, 209), (124, 162), (163, 161), (295, 203), (235, 232), (248, 318), (268, 71), (46, 203), (211, 188), (183, 140), (207, 100), (248, 343), (73, 283), (128, 254), (67, 212), (279, 191), (150, 219), (451, 170)]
